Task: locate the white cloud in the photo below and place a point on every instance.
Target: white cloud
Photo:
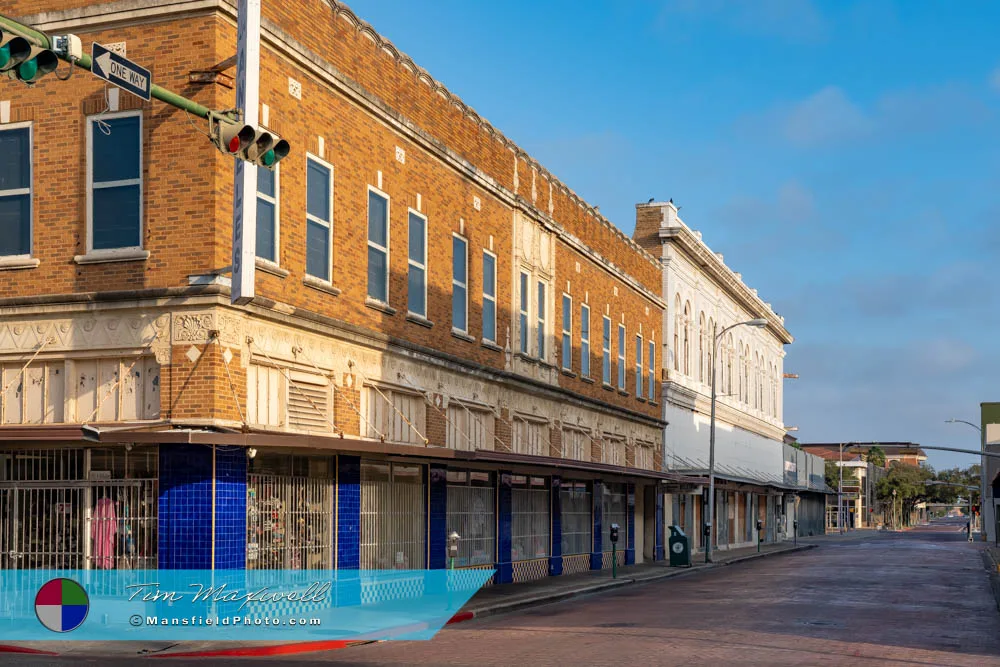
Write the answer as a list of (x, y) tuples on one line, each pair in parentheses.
[(826, 117)]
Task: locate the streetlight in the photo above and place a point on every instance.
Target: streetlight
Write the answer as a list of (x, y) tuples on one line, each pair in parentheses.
[(982, 473), (758, 323)]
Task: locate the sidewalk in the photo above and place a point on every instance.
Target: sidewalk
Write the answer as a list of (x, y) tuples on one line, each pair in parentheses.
[(488, 601)]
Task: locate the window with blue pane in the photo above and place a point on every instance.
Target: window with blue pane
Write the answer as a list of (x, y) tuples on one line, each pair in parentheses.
[(567, 332), (606, 352), (267, 214), (621, 357), (523, 314), (15, 191), (416, 289), (585, 341), (459, 284), (638, 366), (489, 297), (319, 216), (115, 182), (652, 366), (540, 330), (378, 247)]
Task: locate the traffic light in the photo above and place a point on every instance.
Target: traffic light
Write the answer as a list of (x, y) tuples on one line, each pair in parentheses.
[(23, 59), (246, 142)]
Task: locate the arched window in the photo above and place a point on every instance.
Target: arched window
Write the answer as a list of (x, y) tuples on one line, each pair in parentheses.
[(729, 364), (701, 347), (746, 375), (687, 338), (677, 327)]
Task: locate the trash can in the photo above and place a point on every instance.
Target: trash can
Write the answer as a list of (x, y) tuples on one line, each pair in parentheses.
[(680, 548)]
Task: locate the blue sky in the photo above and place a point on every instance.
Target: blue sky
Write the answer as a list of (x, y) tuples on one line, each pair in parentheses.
[(844, 157)]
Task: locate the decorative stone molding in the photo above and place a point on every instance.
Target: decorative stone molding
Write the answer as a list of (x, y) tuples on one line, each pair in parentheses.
[(85, 331)]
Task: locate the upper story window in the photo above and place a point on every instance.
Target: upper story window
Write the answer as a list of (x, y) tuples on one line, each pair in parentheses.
[(638, 366), (378, 246), (651, 362), (621, 357), (15, 190), (584, 340), (606, 352), (267, 214), (416, 278), (114, 181), (523, 300), (489, 296), (459, 284), (319, 218), (541, 320), (567, 332)]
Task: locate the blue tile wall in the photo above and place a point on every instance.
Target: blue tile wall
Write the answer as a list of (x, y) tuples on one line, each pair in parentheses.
[(659, 552), (348, 512), (230, 508), (505, 568), (597, 555), (630, 549), (438, 510), (185, 507), (555, 560)]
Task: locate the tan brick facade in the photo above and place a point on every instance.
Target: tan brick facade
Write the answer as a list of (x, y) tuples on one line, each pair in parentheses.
[(360, 104)]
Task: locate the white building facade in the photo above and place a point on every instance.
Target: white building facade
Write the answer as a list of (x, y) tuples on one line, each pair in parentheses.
[(704, 296)]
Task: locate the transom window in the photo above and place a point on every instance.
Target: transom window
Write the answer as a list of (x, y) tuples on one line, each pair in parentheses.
[(115, 181), (15, 190), (319, 217), (378, 246)]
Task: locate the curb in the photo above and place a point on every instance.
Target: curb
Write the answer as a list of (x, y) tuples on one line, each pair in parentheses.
[(8, 648), (262, 651)]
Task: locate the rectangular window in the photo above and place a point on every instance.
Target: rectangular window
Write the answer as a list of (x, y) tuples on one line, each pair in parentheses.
[(576, 444), (319, 217), (459, 284), (652, 371), (621, 357), (489, 296), (541, 320), (114, 177), (267, 214), (530, 437), (416, 284), (638, 366), (584, 340), (523, 314), (567, 332), (470, 429), (378, 246), (15, 191), (577, 520), (606, 352)]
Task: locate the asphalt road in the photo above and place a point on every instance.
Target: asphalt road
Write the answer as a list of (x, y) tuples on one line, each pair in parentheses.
[(920, 598)]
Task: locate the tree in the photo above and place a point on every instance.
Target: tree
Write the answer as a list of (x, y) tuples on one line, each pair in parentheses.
[(909, 485), (876, 456), (832, 471)]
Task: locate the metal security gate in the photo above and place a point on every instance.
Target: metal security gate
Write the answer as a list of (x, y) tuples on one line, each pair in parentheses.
[(614, 509), (393, 517), (577, 506), (531, 527), (78, 508), (290, 513), (472, 514)]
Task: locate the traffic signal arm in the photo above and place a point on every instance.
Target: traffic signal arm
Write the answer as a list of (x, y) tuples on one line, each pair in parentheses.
[(42, 41)]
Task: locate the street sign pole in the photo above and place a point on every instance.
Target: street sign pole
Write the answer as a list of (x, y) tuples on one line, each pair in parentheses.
[(245, 173)]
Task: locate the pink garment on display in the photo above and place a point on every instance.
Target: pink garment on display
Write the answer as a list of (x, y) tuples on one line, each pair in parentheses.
[(103, 528)]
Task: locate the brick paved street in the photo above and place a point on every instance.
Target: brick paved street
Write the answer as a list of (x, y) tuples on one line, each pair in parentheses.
[(920, 597)]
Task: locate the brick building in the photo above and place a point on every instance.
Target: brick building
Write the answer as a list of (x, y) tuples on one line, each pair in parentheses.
[(444, 337)]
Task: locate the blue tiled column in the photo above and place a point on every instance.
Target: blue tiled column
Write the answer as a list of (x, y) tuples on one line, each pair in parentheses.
[(505, 568), (659, 553), (438, 511), (630, 518), (555, 560), (230, 508), (597, 555), (184, 538), (348, 512)]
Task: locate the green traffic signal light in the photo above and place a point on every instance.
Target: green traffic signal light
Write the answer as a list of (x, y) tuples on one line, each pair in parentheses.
[(4, 55), (27, 70), (268, 158)]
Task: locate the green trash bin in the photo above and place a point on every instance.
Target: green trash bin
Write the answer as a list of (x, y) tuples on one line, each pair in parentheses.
[(680, 548)]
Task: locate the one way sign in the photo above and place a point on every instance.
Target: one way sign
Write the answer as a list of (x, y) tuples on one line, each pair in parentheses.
[(124, 73)]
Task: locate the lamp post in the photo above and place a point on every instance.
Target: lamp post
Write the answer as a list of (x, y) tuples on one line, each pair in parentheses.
[(759, 322), (982, 473)]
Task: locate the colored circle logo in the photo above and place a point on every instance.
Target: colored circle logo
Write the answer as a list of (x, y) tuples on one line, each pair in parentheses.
[(61, 605), (677, 548)]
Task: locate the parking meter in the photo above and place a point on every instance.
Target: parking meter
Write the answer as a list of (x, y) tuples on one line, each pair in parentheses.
[(614, 533), (453, 547), (614, 553)]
